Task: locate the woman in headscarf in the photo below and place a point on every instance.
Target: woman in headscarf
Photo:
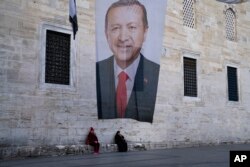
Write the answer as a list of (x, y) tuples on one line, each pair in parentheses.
[(121, 142), (93, 140)]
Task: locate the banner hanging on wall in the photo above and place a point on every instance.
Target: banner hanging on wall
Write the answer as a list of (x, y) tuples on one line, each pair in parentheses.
[(129, 35)]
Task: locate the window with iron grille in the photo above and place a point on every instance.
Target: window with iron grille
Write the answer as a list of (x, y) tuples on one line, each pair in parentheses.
[(230, 24), (190, 77), (188, 13), (232, 84), (57, 61)]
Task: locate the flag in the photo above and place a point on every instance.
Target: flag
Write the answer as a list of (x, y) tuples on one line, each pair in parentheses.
[(72, 16)]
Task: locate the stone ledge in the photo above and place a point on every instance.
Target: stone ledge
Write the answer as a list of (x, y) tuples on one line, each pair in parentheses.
[(60, 150), (10, 152)]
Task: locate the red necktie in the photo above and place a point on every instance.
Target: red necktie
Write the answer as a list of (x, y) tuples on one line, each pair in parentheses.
[(121, 94)]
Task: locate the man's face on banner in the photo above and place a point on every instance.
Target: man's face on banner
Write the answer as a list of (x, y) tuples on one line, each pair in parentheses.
[(125, 33)]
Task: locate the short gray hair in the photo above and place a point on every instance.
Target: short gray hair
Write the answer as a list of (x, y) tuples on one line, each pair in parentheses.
[(122, 3)]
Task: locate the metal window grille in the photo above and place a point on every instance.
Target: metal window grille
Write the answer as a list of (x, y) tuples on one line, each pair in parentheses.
[(57, 63), (188, 13), (190, 77), (232, 84), (230, 25)]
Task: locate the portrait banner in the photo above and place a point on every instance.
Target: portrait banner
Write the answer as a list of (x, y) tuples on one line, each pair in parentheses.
[(129, 35)]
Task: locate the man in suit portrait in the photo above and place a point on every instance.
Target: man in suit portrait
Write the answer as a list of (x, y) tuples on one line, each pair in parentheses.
[(127, 81)]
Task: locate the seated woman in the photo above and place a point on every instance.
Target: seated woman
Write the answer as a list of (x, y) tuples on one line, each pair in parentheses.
[(121, 142), (93, 140)]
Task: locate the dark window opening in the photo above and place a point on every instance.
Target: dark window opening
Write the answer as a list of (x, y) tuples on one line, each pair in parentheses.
[(232, 84), (190, 78), (57, 63)]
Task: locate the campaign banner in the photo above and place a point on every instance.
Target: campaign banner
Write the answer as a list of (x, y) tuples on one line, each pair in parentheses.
[(129, 35)]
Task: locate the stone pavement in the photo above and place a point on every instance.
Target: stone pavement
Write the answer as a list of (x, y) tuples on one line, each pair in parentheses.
[(206, 156)]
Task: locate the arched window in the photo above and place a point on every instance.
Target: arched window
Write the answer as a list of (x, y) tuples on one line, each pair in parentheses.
[(188, 13), (230, 24)]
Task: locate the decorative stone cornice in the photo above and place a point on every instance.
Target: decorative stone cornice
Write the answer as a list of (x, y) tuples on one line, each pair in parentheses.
[(232, 1)]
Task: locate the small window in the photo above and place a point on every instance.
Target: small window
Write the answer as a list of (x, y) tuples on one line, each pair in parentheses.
[(188, 13), (232, 84), (230, 24), (190, 77), (57, 61)]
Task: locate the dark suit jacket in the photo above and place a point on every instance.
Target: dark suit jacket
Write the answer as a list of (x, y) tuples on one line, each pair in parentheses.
[(142, 100)]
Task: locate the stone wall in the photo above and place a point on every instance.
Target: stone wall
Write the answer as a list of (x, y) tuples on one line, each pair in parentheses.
[(34, 116)]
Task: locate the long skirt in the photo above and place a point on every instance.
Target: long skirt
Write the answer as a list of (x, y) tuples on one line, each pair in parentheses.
[(96, 147), (122, 146)]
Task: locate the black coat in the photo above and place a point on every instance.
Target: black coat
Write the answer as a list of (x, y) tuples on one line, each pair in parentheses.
[(142, 100), (121, 143)]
